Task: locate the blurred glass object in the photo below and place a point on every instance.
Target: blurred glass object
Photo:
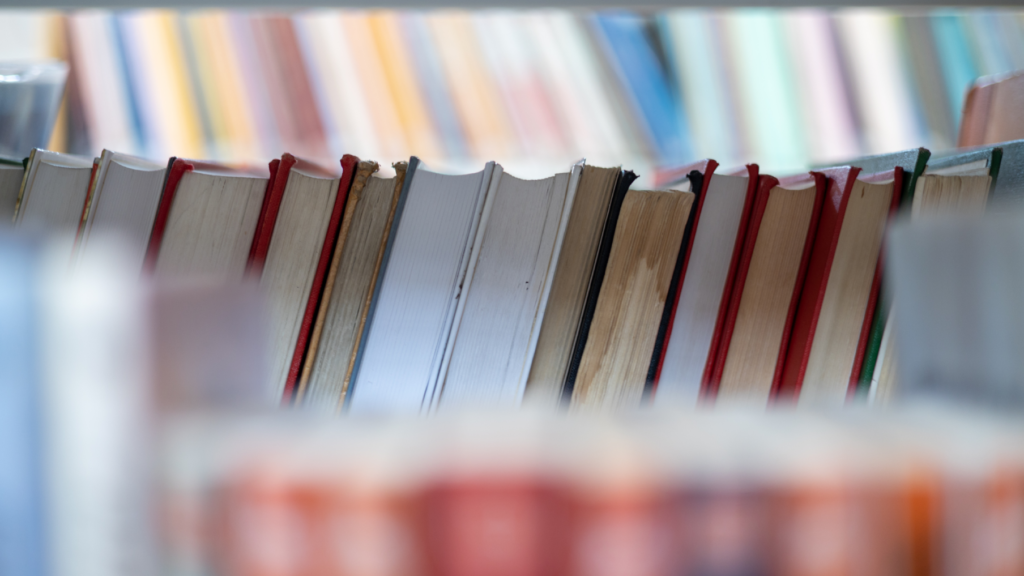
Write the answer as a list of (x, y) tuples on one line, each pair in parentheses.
[(30, 95)]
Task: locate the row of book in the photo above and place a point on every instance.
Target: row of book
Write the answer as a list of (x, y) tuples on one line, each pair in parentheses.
[(422, 291), (714, 494), (534, 89)]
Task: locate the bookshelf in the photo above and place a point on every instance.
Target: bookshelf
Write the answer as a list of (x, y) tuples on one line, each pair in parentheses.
[(249, 490)]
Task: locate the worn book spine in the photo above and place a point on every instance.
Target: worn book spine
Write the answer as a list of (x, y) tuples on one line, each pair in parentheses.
[(357, 358), (881, 308), (175, 171), (363, 172), (348, 165), (830, 224), (626, 178), (700, 178), (401, 170)]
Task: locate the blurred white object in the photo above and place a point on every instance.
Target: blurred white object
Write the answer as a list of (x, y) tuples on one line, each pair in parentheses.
[(960, 320), (96, 416)]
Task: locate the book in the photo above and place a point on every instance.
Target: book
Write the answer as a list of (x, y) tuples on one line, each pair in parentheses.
[(955, 283), (292, 255), (358, 254), (53, 194), (769, 277), (95, 388), (870, 41), (410, 319), (574, 268), (124, 199), (507, 287), (22, 493), (291, 96), (168, 116), (11, 176), (956, 184), (699, 310), (839, 294), (207, 219), (600, 266), (697, 57), (767, 97), (101, 84), (621, 36), (913, 163), (208, 347), (648, 243)]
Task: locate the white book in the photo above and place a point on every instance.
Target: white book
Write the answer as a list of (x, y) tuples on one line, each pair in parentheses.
[(428, 252), (96, 393), (211, 223), (499, 317), (299, 237), (125, 198), (54, 193), (704, 291)]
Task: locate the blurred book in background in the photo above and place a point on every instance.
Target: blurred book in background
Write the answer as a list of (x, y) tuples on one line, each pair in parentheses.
[(534, 90)]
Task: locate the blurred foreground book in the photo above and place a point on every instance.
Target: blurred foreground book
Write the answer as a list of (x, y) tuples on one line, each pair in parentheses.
[(926, 492)]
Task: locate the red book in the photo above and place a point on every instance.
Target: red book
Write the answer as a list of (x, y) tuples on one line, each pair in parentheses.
[(692, 338), (295, 232), (510, 525), (838, 299), (766, 290)]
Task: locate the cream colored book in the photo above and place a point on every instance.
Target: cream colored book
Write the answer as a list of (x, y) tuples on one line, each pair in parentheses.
[(588, 212), (358, 254), (765, 292), (292, 269), (210, 222), (621, 340)]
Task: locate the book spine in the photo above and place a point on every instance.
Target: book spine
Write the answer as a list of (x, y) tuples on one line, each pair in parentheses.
[(700, 182), (874, 327), (821, 186), (830, 222), (764, 186), (626, 178), (730, 281), (357, 357), (881, 307), (22, 545), (348, 165), (362, 174), (268, 216), (175, 171), (90, 197)]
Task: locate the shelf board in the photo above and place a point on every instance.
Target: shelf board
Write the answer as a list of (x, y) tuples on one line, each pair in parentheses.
[(507, 4)]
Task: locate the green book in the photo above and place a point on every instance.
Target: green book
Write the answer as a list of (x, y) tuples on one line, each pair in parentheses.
[(913, 163)]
